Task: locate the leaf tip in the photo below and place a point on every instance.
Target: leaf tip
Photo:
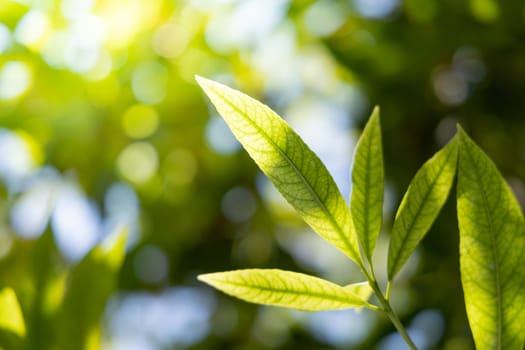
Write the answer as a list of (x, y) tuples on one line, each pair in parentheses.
[(203, 82), (375, 112), (463, 137), (206, 278)]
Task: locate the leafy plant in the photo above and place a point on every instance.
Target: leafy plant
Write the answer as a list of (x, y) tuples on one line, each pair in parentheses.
[(64, 308), (491, 224)]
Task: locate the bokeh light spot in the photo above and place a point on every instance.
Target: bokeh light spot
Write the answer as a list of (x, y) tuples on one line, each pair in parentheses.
[(53, 51), (324, 17), (15, 79), (5, 38), (220, 138), (30, 213), (149, 82), (238, 204), (445, 130), (140, 121), (468, 62), (170, 40), (375, 8), (341, 328), (254, 249), (101, 69), (17, 158), (33, 146), (272, 327), (75, 9), (76, 222), (450, 87), (485, 10), (429, 325), (247, 25), (82, 49), (122, 209), (138, 162), (179, 167), (176, 318), (124, 20), (151, 264), (32, 29)]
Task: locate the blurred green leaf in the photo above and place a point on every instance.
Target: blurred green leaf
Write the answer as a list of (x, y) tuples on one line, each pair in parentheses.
[(288, 289), (368, 185), (48, 273), (293, 168), (90, 284), (12, 325), (492, 251), (421, 204)]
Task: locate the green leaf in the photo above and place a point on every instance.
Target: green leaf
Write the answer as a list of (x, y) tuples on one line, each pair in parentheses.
[(90, 284), (11, 318), (368, 185), (288, 289), (492, 251), (12, 325), (293, 168), (421, 204), (47, 280), (362, 290)]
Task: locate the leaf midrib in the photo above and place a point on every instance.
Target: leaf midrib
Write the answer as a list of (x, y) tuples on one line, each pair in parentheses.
[(490, 220), (296, 170), (295, 292), (368, 237), (418, 212)]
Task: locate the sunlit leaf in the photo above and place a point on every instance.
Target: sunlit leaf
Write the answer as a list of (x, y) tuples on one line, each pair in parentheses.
[(293, 168), (90, 284), (421, 204), (361, 290), (288, 289), (368, 185), (12, 324), (492, 251), (11, 318)]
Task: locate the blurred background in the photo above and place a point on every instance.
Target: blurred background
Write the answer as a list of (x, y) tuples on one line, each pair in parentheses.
[(102, 127)]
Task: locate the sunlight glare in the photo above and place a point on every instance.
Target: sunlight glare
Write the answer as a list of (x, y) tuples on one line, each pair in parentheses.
[(15, 80), (138, 162), (76, 222), (33, 29)]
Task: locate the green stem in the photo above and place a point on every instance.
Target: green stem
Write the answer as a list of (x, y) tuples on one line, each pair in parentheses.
[(386, 307), (388, 288), (392, 315)]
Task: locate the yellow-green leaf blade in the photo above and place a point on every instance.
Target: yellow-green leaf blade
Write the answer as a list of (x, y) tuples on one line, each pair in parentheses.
[(362, 290), (11, 318), (492, 251), (287, 289), (421, 204), (368, 185), (289, 163)]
